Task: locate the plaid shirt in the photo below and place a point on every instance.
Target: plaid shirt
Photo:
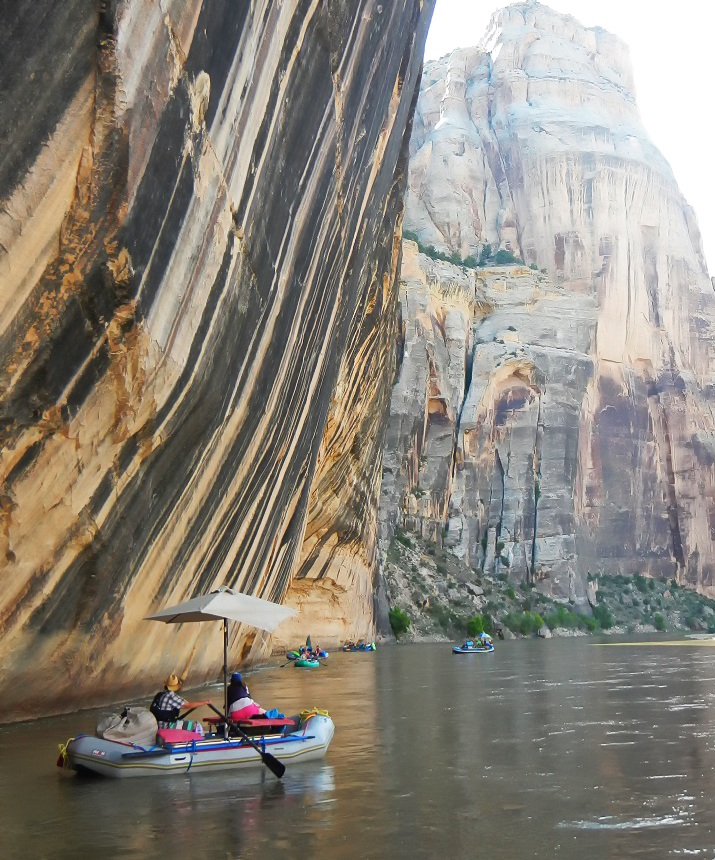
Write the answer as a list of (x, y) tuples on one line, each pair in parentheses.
[(167, 701)]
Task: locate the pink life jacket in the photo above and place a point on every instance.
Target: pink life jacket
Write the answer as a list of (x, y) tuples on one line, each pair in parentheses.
[(244, 709)]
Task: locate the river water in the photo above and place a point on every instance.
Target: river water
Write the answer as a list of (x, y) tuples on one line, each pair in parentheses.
[(559, 748)]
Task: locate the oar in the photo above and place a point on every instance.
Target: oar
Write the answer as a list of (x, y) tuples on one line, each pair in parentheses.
[(271, 762)]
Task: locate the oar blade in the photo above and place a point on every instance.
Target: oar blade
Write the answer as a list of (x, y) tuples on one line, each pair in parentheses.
[(276, 767)]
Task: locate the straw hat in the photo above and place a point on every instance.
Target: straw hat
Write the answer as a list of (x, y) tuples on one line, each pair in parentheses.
[(172, 683)]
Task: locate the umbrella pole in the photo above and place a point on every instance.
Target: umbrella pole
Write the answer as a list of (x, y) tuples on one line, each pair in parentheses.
[(225, 668)]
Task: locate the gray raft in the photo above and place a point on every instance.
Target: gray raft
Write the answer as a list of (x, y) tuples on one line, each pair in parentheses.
[(117, 759)]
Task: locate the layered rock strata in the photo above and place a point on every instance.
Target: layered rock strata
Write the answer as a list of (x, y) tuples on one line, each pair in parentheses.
[(557, 418), (198, 258)]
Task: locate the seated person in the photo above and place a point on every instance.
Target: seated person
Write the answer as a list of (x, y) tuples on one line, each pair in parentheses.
[(240, 704), (167, 704)]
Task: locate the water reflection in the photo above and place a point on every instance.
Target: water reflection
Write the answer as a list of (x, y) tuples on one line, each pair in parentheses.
[(541, 749)]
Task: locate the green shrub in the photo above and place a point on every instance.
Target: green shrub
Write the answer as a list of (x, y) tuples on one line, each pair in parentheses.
[(475, 625), (640, 583), (531, 622), (399, 621), (499, 547), (504, 560), (534, 267), (603, 616), (561, 617), (510, 593), (441, 567), (506, 258), (431, 550), (523, 622), (543, 271), (432, 252), (483, 542), (659, 621), (403, 539)]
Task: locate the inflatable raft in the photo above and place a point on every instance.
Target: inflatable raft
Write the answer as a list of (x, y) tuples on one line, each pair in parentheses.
[(479, 649), (300, 738), (304, 663), (370, 646)]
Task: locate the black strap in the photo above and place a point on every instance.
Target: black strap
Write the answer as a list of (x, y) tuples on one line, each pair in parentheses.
[(162, 715)]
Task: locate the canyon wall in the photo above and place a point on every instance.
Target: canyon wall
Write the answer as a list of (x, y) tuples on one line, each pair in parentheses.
[(199, 248), (552, 417)]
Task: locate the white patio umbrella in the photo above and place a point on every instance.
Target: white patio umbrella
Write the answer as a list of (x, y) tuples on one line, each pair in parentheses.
[(226, 605)]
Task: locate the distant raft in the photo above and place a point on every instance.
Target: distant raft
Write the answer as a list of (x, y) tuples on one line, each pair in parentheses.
[(360, 646), (482, 644), (315, 654)]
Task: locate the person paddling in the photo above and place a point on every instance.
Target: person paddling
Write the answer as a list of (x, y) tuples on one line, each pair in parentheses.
[(167, 703)]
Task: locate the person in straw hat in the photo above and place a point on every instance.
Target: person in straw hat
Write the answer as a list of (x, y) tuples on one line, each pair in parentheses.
[(167, 703)]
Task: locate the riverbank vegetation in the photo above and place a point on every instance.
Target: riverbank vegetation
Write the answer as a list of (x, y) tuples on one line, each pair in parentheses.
[(438, 596)]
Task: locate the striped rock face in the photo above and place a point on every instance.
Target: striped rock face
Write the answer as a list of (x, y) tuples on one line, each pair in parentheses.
[(199, 242)]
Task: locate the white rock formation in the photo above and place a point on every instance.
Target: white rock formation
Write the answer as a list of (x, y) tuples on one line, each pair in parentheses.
[(595, 384)]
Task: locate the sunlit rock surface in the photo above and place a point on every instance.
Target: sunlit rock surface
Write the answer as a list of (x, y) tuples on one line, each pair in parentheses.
[(558, 419), (198, 258)]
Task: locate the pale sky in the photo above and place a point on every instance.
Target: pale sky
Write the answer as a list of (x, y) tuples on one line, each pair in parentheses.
[(672, 53)]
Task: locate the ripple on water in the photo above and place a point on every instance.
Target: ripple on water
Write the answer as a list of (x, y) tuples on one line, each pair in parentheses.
[(667, 776), (609, 822)]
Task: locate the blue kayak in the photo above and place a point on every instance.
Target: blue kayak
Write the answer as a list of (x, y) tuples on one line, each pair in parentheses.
[(482, 649)]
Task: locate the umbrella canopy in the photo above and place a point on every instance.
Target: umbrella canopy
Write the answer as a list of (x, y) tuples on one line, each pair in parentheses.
[(229, 605), (226, 605)]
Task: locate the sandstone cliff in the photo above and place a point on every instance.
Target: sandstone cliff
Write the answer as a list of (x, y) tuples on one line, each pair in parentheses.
[(556, 417), (199, 241)]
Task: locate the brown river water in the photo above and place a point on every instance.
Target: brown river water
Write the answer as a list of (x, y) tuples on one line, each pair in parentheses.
[(558, 748)]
